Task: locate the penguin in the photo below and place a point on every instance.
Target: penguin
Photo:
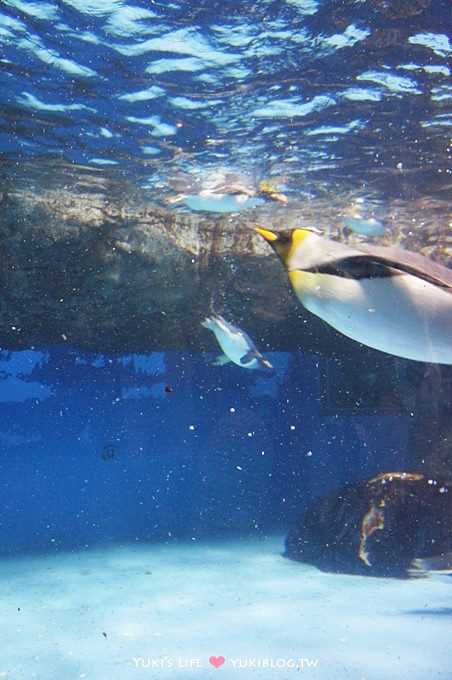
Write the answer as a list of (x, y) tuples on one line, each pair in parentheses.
[(439, 566), (393, 300), (236, 345)]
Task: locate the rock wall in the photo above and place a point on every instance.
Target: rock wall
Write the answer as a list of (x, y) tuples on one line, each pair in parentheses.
[(101, 270), (106, 277)]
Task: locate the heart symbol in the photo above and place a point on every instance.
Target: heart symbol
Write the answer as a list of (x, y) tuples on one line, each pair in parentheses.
[(217, 661)]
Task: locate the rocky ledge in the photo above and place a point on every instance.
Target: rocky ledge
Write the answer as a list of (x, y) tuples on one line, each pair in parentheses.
[(104, 271), (120, 278)]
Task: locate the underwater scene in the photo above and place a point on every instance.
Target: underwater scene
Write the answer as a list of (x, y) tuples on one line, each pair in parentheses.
[(226, 339)]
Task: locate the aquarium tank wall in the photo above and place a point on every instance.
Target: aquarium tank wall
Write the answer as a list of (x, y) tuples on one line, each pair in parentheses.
[(225, 339)]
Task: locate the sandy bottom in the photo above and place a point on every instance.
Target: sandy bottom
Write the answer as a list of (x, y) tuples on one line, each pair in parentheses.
[(161, 612)]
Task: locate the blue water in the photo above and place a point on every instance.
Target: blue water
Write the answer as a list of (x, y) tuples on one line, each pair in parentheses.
[(226, 452), (145, 497)]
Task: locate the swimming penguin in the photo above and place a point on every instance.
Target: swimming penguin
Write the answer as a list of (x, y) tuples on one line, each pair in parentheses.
[(235, 343), (394, 300), (221, 190), (439, 566), (366, 227)]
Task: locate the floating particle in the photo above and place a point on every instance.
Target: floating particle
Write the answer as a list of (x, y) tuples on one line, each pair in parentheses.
[(168, 388)]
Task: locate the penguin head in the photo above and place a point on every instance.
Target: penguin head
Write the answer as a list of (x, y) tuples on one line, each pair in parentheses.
[(285, 242)]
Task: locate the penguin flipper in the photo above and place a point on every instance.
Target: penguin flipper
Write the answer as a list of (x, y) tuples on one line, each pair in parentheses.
[(220, 360), (249, 356), (254, 354)]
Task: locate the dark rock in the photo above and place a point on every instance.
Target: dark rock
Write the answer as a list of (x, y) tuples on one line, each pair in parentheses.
[(124, 278), (375, 527)]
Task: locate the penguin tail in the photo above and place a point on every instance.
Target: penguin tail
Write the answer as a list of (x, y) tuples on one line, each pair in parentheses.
[(208, 322)]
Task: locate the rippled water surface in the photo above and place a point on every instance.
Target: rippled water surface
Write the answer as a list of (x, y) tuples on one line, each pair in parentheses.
[(172, 97)]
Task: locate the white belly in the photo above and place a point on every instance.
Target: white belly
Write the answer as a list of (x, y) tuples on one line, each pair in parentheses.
[(402, 314), (235, 347)]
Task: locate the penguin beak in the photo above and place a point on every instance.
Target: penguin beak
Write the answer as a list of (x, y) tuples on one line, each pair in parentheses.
[(268, 235)]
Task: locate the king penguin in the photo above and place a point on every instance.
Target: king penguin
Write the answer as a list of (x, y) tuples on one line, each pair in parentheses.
[(390, 299), (236, 345)]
